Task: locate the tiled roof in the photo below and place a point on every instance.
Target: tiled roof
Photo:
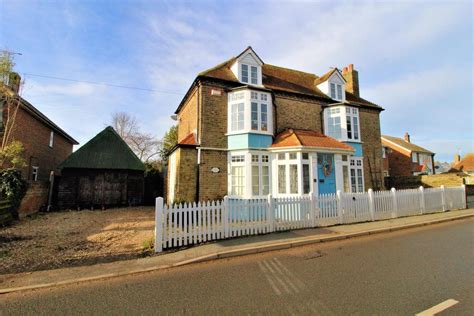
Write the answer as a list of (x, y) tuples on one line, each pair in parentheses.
[(285, 80), (404, 144), (307, 138), (465, 164), (188, 140)]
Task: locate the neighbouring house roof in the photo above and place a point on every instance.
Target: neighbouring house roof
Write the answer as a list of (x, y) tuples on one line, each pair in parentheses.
[(27, 106), (406, 145), (107, 150), (306, 138), (189, 140), (284, 80), (464, 165)]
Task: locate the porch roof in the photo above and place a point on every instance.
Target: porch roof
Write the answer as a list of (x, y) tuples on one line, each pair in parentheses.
[(307, 138)]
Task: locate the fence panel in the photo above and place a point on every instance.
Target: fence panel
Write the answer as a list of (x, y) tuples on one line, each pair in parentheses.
[(433, 200), (292, 212), (383, 205), (326, 212), (355, 207), (454, 198), (408, 202)]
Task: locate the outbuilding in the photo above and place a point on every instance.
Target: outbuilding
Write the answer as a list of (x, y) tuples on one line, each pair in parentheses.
[(102, 173)]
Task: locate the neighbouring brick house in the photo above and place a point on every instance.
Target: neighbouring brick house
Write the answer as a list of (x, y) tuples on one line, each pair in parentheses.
[(248, 129), (45, 144), (464, 165), (403, 158)]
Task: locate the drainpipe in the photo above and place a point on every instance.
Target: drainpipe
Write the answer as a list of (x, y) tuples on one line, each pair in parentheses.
[(197, 172)]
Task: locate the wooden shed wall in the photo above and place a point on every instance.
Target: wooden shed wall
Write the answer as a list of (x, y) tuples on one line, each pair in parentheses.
[(96, 187)]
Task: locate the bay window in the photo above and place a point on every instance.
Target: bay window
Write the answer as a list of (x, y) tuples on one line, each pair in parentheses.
[(249, 174), (342, 123), (249, 111), (294, 173)]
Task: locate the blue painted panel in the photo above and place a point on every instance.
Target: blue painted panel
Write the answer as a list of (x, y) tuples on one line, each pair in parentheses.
[(357, 147), (244, 141), (326, 183)]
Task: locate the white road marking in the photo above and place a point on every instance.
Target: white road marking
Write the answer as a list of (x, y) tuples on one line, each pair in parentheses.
[(283, 284), (438, 308), (269, 279)]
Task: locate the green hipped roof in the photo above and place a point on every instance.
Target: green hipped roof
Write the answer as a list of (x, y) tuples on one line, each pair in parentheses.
[(107, 150)]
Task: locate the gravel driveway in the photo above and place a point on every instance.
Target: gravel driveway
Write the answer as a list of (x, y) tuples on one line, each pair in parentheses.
[(71, 238)]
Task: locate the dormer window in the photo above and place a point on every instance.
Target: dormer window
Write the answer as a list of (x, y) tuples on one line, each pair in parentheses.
[(336, 91), (248, 67), (253, 75), (333, 85), (245, 73)]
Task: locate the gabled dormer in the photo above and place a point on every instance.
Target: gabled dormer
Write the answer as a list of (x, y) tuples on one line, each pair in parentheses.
[(333, 85), (248, 67)]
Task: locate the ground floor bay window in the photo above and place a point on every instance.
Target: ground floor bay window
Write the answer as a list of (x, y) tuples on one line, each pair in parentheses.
[(249, 174), (352, 174), (293, 173)]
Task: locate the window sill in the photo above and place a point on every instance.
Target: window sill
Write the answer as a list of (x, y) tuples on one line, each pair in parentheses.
[(248, 132)]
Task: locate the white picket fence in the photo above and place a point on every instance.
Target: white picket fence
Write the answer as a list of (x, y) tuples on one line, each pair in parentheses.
[(193, 223)]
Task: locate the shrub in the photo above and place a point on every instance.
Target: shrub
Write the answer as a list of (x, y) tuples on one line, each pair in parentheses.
[(148, 244), (12, 187)]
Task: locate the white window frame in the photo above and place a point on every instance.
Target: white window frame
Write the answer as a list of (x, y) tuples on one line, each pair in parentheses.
[(248, 97), (338, 91), (415, 157), (293, 158), (246, 160), (51, 139), (242, 73), (356, 164), (34, 173), (343, 113)]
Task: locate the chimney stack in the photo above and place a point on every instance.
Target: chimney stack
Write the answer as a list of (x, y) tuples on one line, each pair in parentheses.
[(352, 79), (407, 137), (457, 158), (14, 82)]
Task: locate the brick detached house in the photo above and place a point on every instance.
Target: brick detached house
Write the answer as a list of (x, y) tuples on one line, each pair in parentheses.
[(247, 129), (45, 144), (464, 165), (403, 158)]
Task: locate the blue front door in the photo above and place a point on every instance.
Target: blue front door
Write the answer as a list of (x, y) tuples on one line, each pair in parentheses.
[(326, 174)]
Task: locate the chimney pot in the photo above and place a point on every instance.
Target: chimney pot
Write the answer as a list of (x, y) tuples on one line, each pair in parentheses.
[(351, 67), (407, 137), (457, 158), (344, 70)]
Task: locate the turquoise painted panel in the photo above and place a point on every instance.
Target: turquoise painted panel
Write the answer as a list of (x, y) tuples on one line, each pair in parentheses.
[(260, 141), (357, 147), (326, 182), (244, 141)]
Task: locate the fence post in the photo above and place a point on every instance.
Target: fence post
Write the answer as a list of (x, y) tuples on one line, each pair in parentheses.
[(312, 211), (159, 224), (270, 214), (464, 200), (371, 204), (339, 206), (443, 198), (225, 216), (422, 200), (395, 204)]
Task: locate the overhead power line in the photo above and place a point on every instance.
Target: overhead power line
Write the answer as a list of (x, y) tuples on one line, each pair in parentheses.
[(104, 84)]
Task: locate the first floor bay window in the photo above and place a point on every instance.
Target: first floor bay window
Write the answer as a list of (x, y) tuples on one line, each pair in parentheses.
[(249, 111)]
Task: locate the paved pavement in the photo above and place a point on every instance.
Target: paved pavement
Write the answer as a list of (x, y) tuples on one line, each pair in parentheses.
[(220, 249), (400, 273)]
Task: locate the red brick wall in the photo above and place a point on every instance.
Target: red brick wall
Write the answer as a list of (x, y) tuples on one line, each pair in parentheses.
[(399, 161), (34, 135)]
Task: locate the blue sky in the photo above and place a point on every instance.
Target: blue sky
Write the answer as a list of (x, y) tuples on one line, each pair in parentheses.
[(414, 58)]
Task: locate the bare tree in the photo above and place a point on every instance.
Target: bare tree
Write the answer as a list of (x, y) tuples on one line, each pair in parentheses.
[(10, 101), (146, 146)]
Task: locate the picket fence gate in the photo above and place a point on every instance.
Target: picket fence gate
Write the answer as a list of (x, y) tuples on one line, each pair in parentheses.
[(192, 223)]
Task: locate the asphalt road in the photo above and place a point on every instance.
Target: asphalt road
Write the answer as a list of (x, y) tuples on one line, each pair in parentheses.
[(399, 273)]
